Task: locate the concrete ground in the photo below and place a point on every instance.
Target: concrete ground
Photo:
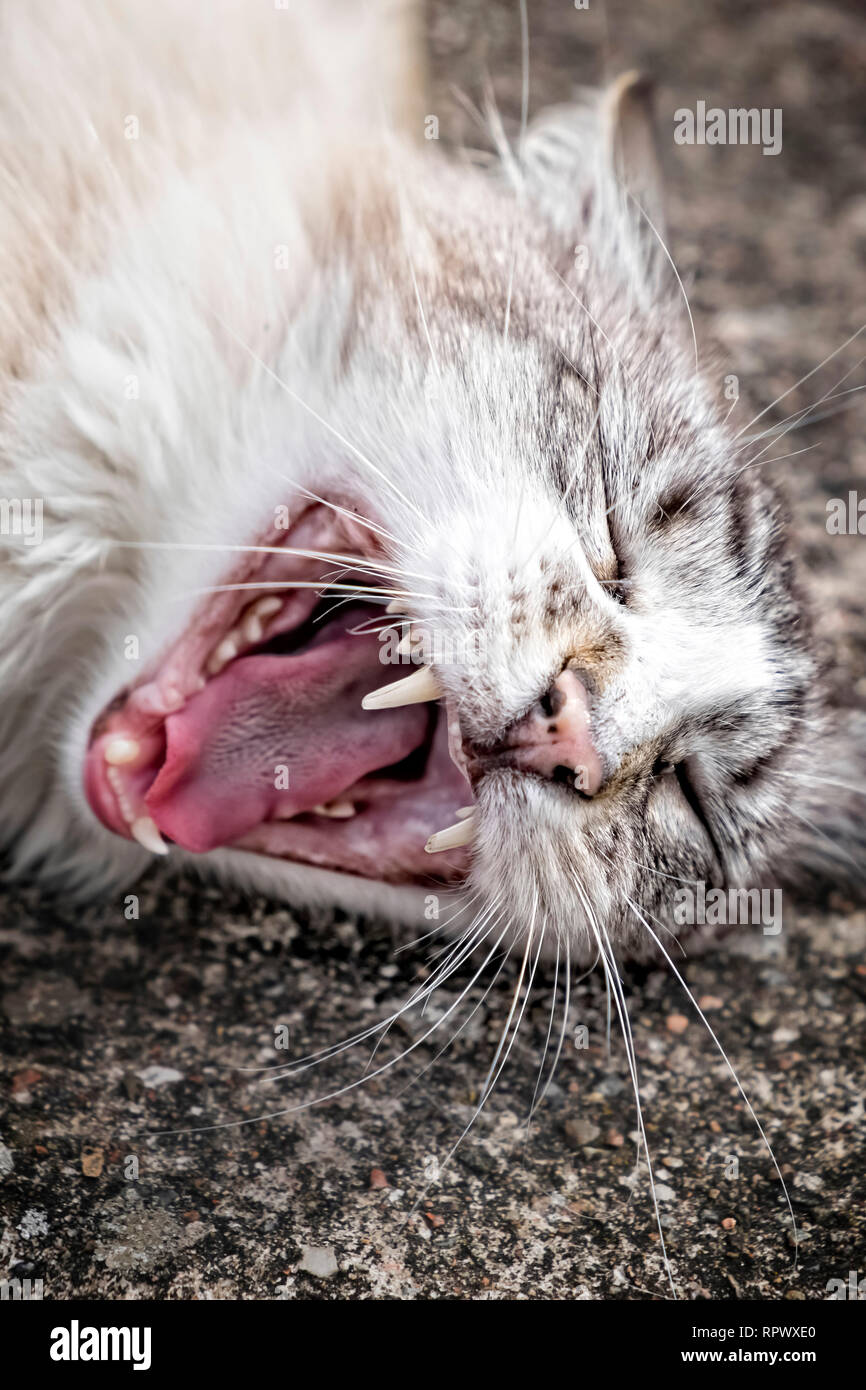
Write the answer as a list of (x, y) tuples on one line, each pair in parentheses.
[(113, 1029)]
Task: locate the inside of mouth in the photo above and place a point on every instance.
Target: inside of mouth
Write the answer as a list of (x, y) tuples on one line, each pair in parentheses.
[(251, 733)]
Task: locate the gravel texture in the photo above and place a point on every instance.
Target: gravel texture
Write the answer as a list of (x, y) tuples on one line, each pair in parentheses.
[(113, 1028)]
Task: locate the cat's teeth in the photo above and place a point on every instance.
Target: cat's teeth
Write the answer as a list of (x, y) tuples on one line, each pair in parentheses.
[(266, 607), (411, 690), (118, 786), (465, 811), (144, 830), (222, 655), (252, 623), (249, 631), (395, 606), (119, 750), (407, 643), (452, 837), (251, 628), (336, 810)]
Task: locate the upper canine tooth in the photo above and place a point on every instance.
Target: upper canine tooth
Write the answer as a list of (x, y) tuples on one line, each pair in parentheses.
[(451, 838), (395, 606), (144, 830), (222, 655), (120, 750), (411, 690), (465, 811), (337, 810)]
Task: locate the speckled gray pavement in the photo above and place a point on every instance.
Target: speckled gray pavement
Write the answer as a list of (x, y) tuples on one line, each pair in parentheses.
[(113, 1029)]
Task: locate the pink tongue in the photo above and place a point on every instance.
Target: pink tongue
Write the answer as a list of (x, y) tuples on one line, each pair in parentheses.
[(269, 721)]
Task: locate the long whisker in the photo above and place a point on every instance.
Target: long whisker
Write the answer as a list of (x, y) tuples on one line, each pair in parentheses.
[(824, 782), (350, 1086), (375, 595), (293, 395), (491, 1079), (612, 977), (358, 562), (730, 1067), (422, 991), (546, 1048), (660, 239), (342, 511), (453, 960), (494, 1071), (456, 1034), (837, 848), (777, 458), (804, 416), (785, 394)]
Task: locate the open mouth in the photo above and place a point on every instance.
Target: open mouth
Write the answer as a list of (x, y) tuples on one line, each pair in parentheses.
[(251, 734)]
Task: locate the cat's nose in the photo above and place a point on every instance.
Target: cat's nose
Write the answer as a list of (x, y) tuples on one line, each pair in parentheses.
[(554, 739)]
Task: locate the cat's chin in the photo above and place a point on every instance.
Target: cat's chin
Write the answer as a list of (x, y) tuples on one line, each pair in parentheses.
[(249, 734)]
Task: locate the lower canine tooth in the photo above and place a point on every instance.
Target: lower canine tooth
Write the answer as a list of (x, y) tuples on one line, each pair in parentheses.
[(121, 750), (455, 835), (145, 832), (411, 690), (251, 628), (465, 811), (336, 810)]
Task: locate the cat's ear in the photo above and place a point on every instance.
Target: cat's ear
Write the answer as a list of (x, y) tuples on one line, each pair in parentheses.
[(592, 169), (632, 149)]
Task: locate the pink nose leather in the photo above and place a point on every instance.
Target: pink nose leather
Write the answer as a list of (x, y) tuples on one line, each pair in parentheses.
[(556, 734)]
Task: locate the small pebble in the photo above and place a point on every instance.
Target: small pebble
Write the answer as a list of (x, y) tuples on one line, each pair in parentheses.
[(581, 1131), (729, 1223), (159, 1076), (785, 1035), (319, 1261), (91, 1162), (24, 1080), (378, 1179), (676, 1023)]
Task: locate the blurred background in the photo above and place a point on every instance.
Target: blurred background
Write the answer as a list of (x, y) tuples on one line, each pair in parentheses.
[(113, 1028)]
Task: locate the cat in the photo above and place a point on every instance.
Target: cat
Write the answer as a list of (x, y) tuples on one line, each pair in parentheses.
[(371, 534)]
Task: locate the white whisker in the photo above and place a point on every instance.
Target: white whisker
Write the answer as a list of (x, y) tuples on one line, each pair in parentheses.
[(342, 1090), (611, 975), (660, 239), (828, 358), (293, 395), (730, 1067)]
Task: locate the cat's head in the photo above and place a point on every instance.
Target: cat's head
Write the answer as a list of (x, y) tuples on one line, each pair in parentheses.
[(472, 399)]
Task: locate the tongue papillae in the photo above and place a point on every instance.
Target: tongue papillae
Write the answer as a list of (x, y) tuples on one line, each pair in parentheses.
[(267, 720)]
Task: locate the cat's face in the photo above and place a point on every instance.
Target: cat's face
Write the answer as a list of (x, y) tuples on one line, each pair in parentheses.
[(605, 679)]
